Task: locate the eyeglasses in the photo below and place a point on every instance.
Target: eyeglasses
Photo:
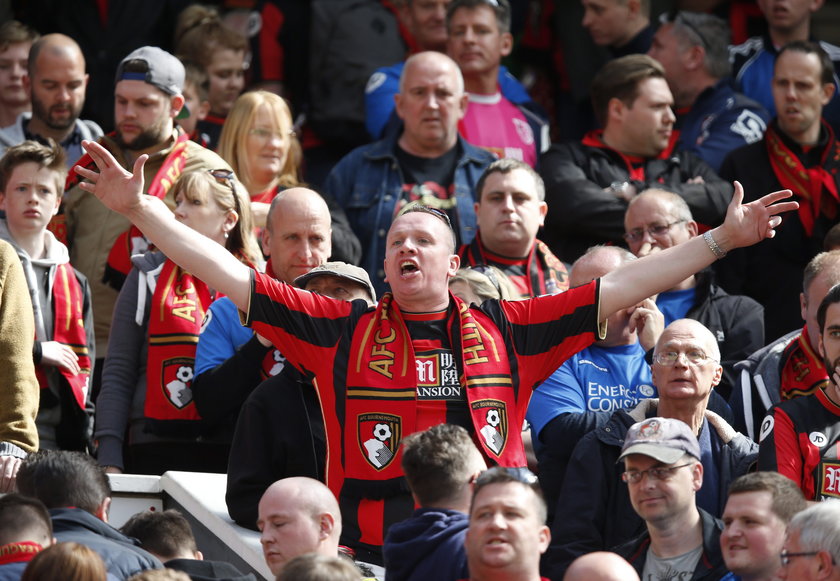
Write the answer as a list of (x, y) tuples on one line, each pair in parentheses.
[(266, 134), (225, 176), (657, 473), (785, 557), (656, 230), (694, 357)]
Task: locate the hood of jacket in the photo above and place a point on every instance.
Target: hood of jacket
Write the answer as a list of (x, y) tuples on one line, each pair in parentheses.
[(411, 545)]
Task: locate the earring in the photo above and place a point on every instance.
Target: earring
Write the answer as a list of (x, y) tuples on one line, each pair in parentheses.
[(226, 235)]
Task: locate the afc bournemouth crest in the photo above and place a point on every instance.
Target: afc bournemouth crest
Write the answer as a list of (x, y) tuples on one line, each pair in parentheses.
[(177, 381), (379, 437), (490, 417)]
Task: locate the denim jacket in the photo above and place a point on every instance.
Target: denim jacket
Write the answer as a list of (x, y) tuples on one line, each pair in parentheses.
[(368, 183)]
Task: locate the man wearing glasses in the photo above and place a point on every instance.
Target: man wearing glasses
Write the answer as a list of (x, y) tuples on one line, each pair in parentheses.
[(712, 119), (812, 548), (594, 510), (657, 219), (663, 474), (589, 182)]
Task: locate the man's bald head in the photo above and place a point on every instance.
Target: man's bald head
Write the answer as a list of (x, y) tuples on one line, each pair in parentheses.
[(56, 83), (297, 201), (436, 60), (296, 516), (56, 45), (297, 233), (600, 566), (308, 494), (693, 329), (598, 261)]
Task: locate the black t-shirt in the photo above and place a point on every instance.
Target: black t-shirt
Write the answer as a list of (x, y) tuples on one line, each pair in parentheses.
[(429, 180)]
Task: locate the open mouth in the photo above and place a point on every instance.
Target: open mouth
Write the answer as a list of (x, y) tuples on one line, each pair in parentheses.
[(408, 268)]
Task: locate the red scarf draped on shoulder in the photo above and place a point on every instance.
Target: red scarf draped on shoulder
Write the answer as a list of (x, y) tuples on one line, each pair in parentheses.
[(814, 187), (382, 390), (635, 165), (803, 370), (69, 329), (176, 313)]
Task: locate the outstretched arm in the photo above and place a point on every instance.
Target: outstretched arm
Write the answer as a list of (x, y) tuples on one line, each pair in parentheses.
[(122, 191), (745, 225)]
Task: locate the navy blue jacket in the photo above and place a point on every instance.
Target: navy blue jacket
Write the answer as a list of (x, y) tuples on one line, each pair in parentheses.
[(427, 546), (122, 555), (719, 121)]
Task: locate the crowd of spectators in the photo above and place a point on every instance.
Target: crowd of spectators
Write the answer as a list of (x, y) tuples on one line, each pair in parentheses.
[(332, 248)]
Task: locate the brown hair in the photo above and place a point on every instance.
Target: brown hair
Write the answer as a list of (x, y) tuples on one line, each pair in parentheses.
[(787, 498), (50, 156), (316, 567), (200, 32), (620, 79), (14, 32), (66, 561)]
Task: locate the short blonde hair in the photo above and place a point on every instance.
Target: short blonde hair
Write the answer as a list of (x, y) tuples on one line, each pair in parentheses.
[(239, 123)]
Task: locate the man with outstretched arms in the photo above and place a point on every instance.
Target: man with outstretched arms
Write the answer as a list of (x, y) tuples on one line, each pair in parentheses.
[(390, 371)]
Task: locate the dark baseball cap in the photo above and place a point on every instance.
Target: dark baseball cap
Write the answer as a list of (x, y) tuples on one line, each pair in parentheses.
[(663, 439), (164, 70), (341, 270)]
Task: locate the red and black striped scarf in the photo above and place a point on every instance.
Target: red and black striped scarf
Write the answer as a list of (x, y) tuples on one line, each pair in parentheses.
[(814, 187), (545, 273)]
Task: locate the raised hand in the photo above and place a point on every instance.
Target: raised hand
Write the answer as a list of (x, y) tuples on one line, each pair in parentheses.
[(118, 189), (748, 224), (648, 321)]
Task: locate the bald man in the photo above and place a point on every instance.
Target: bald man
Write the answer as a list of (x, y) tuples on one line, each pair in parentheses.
[(231, 360), (297, 516), (56, 83), (427, 162), (601, 566), (657, 219)]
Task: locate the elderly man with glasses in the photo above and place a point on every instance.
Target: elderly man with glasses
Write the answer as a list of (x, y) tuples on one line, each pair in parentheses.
[(812, 547), (657, 219), (594, 510)]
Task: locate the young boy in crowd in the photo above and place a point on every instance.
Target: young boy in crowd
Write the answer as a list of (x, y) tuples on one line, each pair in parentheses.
[(31, 182), (196, 101)]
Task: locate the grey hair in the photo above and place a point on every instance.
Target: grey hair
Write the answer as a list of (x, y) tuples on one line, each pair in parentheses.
[(819, 528)]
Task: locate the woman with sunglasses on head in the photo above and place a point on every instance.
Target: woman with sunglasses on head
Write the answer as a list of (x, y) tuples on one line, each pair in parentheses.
[(259, 142), (146, 383)]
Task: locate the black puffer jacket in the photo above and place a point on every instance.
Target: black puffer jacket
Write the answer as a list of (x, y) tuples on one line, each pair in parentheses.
[(581, 214)]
